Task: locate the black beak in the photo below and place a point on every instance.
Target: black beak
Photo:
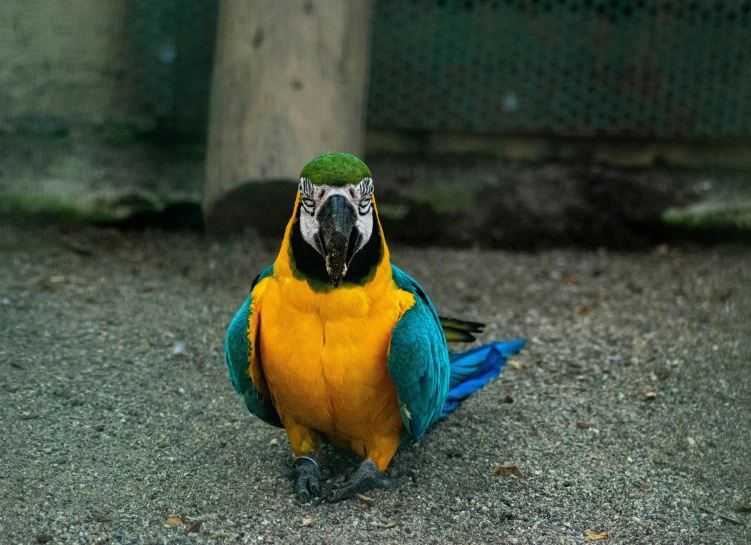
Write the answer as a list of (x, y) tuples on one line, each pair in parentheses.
[(337, 236)]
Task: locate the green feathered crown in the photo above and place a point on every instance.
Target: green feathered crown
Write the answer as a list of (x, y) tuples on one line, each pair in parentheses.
[(335, 169)]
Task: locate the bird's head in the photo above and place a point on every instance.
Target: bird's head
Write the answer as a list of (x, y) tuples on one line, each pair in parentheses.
[(336, 214)]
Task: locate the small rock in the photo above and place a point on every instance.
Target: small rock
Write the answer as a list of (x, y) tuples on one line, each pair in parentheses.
[(101, 517), (149, 285), (661, 372)]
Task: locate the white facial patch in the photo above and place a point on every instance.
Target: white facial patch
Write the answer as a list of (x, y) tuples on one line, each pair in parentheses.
[(313, 197)]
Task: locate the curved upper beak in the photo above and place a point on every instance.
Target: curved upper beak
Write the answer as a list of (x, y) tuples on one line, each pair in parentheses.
[(337, 236)]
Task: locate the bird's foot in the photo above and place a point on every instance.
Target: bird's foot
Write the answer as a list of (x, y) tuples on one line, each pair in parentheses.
[(307, 476), (367, 477)]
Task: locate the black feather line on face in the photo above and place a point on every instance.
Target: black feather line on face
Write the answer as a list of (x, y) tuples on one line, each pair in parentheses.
[(311, 266)]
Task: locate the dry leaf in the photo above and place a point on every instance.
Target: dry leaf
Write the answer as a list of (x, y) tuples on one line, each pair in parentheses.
[(644, 488), (307, 521), (44, 539), (583, 309), (77, 247), (195, 528), (582, 425), (57, 279), (513, 362), (570, 281), (595, 536), (364, 498), (508, 471), (389, 524), (650, 396), (174, 521), (134, 258), (724, 295)]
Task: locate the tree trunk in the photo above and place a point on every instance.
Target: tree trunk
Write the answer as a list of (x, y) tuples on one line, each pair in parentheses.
[(289, 84)]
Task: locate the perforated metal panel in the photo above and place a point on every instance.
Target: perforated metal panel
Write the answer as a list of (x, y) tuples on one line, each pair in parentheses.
[(667, 68)]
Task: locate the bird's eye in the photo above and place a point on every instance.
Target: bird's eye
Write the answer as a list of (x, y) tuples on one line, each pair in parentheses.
[(364, 206), (309, 205)]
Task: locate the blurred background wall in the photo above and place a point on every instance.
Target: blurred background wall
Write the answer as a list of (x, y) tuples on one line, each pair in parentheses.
[(89, 89), (87, 62), (637, 68)]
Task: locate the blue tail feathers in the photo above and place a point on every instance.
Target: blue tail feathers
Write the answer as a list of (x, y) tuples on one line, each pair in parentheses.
[(472, 370)]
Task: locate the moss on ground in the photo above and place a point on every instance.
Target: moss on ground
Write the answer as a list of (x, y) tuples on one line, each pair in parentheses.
[(712, 214)]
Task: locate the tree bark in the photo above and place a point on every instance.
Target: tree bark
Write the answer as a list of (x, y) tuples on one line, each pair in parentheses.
[(289, 84)]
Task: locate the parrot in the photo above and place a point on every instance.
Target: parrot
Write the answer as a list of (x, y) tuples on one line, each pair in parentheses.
[(335, 344)]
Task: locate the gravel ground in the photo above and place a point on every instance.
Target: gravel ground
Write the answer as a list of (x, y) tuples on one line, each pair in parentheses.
[(629, 412)]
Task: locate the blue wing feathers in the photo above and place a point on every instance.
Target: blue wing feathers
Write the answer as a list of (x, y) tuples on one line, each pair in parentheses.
[(464, 364), (428, 381), (472, 370)]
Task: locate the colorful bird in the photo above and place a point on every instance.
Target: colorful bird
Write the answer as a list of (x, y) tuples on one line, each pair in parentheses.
[(335, 342)]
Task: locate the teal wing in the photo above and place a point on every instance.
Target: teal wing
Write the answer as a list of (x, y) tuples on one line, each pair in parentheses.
[(238, 351), (418, 360)]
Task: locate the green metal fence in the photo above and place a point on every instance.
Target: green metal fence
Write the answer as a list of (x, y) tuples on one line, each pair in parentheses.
[(665, 68)]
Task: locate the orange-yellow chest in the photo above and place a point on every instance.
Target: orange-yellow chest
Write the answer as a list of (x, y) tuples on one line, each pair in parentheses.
[(324, 355)]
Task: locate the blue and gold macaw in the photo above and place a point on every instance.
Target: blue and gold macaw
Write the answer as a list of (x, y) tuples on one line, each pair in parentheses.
[(334, 341)]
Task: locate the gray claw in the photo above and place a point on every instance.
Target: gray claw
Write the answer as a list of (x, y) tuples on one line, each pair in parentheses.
[(367, 477), (304, 471)]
